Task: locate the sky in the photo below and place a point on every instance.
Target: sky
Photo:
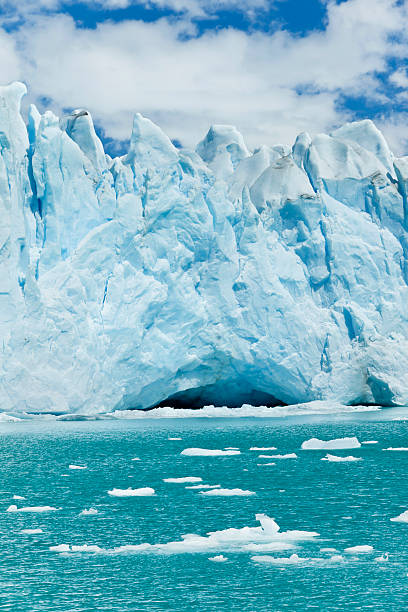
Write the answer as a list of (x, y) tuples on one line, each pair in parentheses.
[(272, 68)]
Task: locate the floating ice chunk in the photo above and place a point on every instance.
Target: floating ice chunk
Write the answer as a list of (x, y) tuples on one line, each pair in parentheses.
[(77, 467), (18, 497), (262, 464), (269, 547), (89, 512), (231, 448), (60, 548), (228, 492), (401, 448), (142, 492), (218, 558), (136, 459), (87, 548), (14, 508), (287, 456), (382, 559), (204, 486), (207, 452), (401, 518), (292, 560), (174, 438), (335, 458), (262, 448), (7, 418), (370, 442), (231, 540), (329, 550), (359, 549), (31, 531), (185, 479), (336, 444)]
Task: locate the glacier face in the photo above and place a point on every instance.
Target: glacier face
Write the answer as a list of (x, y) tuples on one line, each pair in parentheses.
[(216, 276)]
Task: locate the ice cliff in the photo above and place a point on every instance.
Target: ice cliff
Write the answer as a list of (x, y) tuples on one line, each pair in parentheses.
[(217, 276)]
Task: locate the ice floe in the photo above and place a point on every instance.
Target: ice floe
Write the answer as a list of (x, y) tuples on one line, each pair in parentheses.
[(382, 559), (31, 531), (363, 549), (228, 492), (337, 459), (136, 459), (88, 512), (336, 444), (262, 464), (184, 479), (204, 486), (400, 448), (218, 558), (77, 467), (142, 492), (226, 540), (294, 559), (14, 508), (401, 518), (370, 442), (174, 438), (246, 410), (287, 456), (262, 448), (18, 497), (208, 452)]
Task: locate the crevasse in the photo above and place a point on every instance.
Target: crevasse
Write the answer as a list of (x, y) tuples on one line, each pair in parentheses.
[(217, 276)]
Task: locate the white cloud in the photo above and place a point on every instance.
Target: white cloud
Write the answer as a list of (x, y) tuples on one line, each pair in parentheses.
[(271, 86)]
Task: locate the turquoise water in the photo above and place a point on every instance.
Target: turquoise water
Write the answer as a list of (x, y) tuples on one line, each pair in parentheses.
[(348, 504)]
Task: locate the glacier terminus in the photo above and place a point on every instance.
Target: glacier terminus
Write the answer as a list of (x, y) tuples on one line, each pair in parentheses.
[(186, 278)]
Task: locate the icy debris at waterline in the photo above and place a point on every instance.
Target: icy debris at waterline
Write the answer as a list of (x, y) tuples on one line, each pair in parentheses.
[(89, 512), (77, 467), (370, 442), (267, 537), (218, 559), (109, 252), (401, 518), (287, 456), (141, 492), (204, 486), (246, 410), (336, 444), (185, 479), (363, 549), (19, 497), (262, 448), (31, 531), (337, 459), (402, 448), (14, 508), (207, 452), (228, 492), (294, 559)]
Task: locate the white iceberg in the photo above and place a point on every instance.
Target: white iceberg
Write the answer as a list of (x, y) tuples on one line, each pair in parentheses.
[(207, 452), (287, 456), (337, 459), (77, 467), (31, 531), (88, 512), (362, 549), (336, 444), (218, 558), (401, 518), (262, 448), (141, 492), (183, 479), (228, 492), (204, 486), (14, 508)]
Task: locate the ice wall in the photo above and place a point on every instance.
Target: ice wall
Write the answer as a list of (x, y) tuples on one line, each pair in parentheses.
[(222, 275)]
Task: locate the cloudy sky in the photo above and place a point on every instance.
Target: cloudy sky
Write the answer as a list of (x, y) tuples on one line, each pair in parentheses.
[(273, 68)]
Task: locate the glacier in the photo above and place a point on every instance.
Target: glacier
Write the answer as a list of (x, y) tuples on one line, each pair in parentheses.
[(184, 278)]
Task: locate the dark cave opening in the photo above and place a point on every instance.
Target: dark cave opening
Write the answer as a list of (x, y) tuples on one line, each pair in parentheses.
[(219, 394)]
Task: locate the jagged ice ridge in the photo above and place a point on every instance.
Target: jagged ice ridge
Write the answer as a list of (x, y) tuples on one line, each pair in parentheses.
[(216, 276)]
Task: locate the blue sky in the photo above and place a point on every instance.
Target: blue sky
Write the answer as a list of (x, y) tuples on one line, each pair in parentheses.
[(273, 68)]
